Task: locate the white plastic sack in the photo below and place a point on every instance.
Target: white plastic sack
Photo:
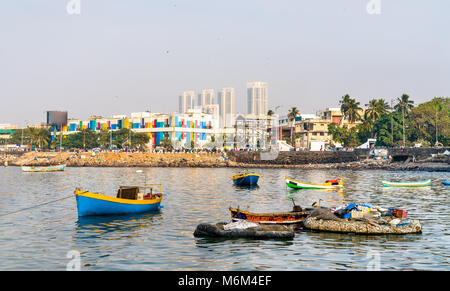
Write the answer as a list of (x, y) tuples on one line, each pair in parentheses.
[(241, 224)]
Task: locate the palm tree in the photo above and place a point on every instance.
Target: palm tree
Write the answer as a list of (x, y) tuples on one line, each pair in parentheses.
[(270, 112), (293, 113), (42, 137), (404, 105), (350, 109), (376, 109), (33, 133), (344, 103), (371, 112)]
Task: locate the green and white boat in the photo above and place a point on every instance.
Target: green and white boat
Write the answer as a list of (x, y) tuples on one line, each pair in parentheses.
[(329, 184), (407, 184)]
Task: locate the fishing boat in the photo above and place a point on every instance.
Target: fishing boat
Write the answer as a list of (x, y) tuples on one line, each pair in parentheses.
[(291, 217), (54, 168), (129, 200), (446, 183), (407, 184), (329, 184), (245, 179)]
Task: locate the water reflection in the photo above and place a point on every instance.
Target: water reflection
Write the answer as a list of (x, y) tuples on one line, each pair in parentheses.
[(89, 227), (165, 241), (243, 187)]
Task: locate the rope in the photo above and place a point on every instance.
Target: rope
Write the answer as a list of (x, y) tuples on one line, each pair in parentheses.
[(35, 206)]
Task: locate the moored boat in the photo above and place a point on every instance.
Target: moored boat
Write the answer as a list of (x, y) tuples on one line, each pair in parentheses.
[(291, 217), (129, 200), (407, 184), (54, 168), (329, 184), (446, 183), (245, 179)]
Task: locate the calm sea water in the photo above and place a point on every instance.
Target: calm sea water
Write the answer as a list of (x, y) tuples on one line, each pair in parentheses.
[(40, 238)]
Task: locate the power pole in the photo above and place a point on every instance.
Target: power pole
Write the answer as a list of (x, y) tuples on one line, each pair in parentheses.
[(60, 137), (392, 124), (403, 115), (436, 120)]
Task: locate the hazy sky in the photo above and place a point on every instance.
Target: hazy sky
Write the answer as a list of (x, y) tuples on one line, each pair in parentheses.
[(123, 56)]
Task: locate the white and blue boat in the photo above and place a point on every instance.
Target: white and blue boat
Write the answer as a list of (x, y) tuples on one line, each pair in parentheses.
[(129, 200), (54, 168), (245, 179)]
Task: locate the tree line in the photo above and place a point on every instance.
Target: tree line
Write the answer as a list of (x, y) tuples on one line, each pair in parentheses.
[(41, 138), (402, 124), (399, 124)]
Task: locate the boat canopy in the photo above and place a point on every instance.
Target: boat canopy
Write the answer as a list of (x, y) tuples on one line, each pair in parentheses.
[(132, 192)]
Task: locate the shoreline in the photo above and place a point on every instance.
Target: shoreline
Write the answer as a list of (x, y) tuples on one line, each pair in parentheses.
[(204, 160)]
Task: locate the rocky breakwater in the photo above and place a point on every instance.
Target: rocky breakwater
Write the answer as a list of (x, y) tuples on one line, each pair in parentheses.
[(122, 159), (293, 157), (39, 159), (334, 160)]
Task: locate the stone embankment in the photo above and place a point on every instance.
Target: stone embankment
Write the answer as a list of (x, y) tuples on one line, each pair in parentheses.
[(301, 160), (119, 159)]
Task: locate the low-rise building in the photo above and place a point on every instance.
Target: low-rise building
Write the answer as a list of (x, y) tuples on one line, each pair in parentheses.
[(182, 129), (314, 128)]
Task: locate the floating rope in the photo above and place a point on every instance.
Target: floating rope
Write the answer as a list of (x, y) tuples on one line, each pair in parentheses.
[(35, 206)]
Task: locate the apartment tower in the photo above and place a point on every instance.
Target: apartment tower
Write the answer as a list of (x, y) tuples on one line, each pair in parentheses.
[(225, 99), (257, 98), (206, 97), (186, 101)]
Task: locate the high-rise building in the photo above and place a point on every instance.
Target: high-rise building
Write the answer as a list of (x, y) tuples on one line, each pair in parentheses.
[(225, 99), (186, 101), (206, 97), (257, 98)]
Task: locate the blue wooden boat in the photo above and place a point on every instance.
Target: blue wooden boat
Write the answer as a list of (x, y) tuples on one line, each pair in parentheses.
[(245, 179), (129, 200), (446, 183)]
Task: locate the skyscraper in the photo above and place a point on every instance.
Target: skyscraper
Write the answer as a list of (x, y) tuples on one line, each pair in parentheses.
[(206, 97), (257, 98), (186, 101), (226, 107)]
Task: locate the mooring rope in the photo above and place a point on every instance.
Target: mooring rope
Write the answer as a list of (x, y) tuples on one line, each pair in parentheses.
[(35, 206)]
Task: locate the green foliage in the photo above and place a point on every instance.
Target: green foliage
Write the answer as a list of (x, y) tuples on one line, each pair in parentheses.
[(346, 136), (126, 138), (166, 143), (86, 138), (350, 109), (430, 121), (385, 126), (36, 137)]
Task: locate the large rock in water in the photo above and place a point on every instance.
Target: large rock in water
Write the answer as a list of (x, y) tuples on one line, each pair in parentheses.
[(261, 232), (362, 226)]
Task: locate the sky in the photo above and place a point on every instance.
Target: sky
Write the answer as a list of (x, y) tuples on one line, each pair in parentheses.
[(123, 56)]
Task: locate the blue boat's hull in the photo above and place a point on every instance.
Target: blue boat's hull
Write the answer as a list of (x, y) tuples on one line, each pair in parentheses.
[(91, 206), (249, 180), (446, 183)]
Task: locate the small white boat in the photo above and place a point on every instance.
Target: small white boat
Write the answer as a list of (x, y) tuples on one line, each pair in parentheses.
[(407, 184), (54, 168)]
